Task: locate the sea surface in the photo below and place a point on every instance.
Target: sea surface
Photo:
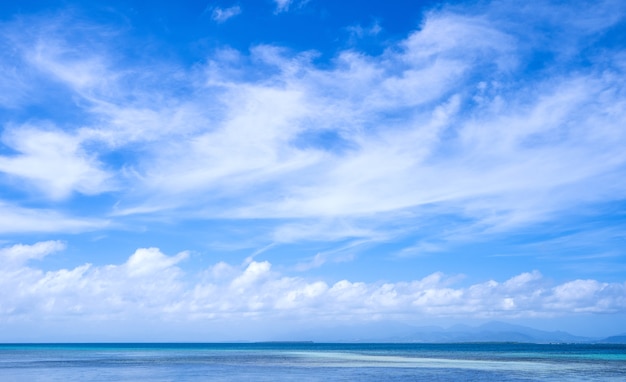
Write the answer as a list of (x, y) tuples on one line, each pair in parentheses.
[(311, 362)]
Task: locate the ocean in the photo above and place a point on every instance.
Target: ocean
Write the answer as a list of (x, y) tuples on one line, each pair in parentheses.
[(312, 362)]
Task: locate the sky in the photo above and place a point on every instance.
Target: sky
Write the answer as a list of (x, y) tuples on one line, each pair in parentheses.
[(240, 170)]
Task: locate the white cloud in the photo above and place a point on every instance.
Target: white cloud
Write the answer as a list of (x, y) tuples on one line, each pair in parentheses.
[(222, 14), (282, 5), (358, 31), (52, 161), (150, 260), (14, 84), (14, 219), (325, 229), (69, 65), (152, 283), (337, 255), (21, 253), (446, 118), (63, 51), (505, 157), (286, 5)]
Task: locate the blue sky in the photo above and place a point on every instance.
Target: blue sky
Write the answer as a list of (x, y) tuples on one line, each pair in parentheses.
[(191, 168)]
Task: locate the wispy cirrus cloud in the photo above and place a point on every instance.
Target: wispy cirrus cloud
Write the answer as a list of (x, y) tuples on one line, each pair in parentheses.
[(52, 161), (452, 118), (282, 5), (220, 15), (287, 5), (383, 165), (22, 220)]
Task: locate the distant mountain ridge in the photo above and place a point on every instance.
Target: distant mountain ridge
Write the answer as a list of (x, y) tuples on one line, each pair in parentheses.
[(619, 339), (495, 332), (488, 332)]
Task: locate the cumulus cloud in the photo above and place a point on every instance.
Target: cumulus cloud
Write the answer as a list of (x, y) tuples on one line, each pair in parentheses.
[(150, 260), (150, 283)]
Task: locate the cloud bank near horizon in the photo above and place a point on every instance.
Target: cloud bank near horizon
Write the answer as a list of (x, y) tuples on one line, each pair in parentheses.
[(152, 284)]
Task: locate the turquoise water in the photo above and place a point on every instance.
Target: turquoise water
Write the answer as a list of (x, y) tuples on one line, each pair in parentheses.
[(311, 362)]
